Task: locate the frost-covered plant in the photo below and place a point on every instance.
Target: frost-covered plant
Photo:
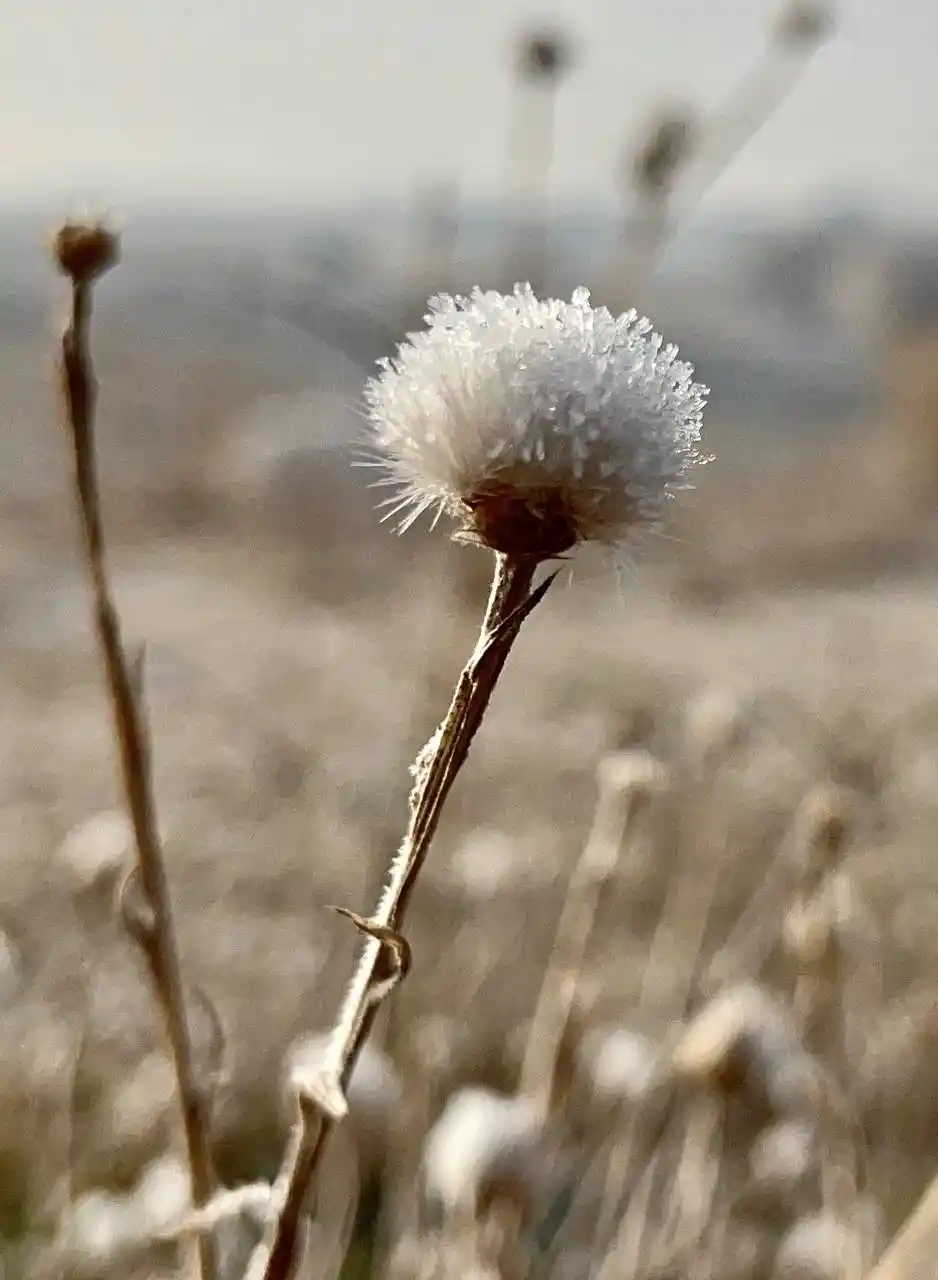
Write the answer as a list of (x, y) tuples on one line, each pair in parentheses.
[(537, 425)]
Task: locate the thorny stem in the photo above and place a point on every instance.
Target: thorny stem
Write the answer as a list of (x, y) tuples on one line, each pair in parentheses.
[(155, 931), (510, 601)]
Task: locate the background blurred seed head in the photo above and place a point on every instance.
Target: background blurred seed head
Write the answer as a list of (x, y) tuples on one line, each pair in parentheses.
[(544, 55), (481, 1138), (620, 1064), (662, 152), (97, 849)]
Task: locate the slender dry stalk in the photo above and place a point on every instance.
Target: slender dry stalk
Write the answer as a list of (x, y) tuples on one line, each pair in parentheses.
[(82, 254), (747, 108), (386, 957), (675, 167), (626, 782), (543, 59)]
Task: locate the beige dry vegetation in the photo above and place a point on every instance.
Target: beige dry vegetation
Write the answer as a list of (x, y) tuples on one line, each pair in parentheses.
[(783, 639)]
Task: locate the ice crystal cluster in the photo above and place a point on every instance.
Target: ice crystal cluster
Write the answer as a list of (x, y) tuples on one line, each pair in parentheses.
[(536, 424)]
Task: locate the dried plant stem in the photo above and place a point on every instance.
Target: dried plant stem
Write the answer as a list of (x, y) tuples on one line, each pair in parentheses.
[(557, 998), (677, 945), (747, 108), (386, 956), (152, 925), (531, 153)]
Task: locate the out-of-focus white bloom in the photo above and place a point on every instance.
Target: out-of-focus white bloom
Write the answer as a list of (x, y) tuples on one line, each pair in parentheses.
[(97, 1230), (744, 1039), (633, 775), (783, 1155), (482, 1138), (140, 1104), (715, 726), (162, 1196), (621, 1064), (816, 1248), (486, 862), (537, 425), (97, 849)]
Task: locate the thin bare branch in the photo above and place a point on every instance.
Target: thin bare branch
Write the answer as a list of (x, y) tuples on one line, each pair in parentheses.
[(82, 254)]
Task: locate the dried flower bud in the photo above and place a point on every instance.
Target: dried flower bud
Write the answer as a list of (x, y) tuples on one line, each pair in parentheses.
[(544, 56), (663, 152), (822, 830), (536, 425), (85, 251), (803, 24)]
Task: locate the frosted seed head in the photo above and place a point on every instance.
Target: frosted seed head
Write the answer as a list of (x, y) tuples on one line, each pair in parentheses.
[(783, 1155), (96, 850), (823, 828), (97, 1230), (743, 1042), (715, 728), (621, 1065), (635, 775), (162, 1197), (487, 862), (481, 1138), (536, 425), (818, 1247)]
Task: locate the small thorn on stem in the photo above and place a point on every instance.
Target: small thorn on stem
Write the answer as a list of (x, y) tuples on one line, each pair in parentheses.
[(396, 953), (136, 912)]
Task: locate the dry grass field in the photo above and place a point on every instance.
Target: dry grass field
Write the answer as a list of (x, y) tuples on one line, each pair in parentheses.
[(781, 640)]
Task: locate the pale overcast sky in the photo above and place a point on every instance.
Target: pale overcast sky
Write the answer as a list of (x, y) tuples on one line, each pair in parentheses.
[(260, 101)]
